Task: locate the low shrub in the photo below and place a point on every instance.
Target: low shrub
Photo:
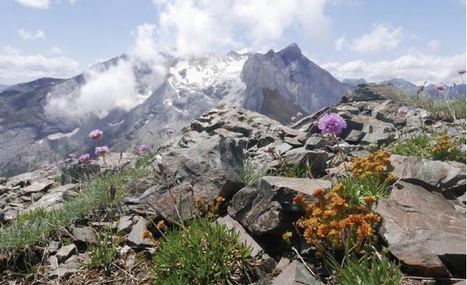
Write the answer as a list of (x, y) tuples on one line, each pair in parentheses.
[(202, 253), (373, 270), (104, 251), (251, 172)]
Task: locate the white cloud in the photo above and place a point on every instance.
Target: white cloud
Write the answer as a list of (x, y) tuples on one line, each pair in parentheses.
[(72, 2), (339, 43), (17, 67), (434, 45), (39, 4), (117, 85), (56, 50), (28, 35), (194, 27), (415, 67), (382, 37)]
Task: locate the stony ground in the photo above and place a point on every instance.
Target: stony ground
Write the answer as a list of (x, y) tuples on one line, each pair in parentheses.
[(423, 217)]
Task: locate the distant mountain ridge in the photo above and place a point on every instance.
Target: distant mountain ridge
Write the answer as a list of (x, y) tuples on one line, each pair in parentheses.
[(277, 84)]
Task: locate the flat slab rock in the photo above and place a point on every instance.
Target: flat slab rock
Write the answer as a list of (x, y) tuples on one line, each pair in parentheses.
[(424, 231), (295, 274), (268, 207), (435, 173), (244, 237)]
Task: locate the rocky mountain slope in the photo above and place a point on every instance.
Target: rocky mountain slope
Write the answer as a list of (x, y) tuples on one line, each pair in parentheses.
[(422, 218), (277, 84)]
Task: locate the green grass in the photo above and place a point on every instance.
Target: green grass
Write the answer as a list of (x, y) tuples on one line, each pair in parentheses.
[(104, 252), (372, 270), (36, 226), (359, 188), (251, 173), (420, 145), (203, 253)]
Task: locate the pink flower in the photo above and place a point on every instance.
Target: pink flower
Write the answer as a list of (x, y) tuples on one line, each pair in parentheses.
[(332, 123), (440, 87), (143, 149), (85, 158), (403, 110), (299, 115), (96, 134), (461, 71), (101, 150)]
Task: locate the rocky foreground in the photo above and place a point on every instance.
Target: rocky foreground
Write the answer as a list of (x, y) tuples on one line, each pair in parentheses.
[(423, 222)]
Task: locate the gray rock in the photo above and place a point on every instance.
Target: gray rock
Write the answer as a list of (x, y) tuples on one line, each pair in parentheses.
[(66, 252), (315, 142), (267, 208), (135, 237), (316, 159), (124, 224), (37, 186), (438, 175), (244, 237), (354, 136), (84, 234), (283, 148), (295, 274), (53, 246), (77, 172), (377, 138), (55, 198), (424, 231)]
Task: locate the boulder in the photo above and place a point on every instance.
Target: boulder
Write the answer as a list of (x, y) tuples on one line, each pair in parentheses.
[(296, 274), (55, 198), (435, 174), (316, 159), (65, 252), (37, 186), (268, 208), (424, 231), (244, 237), (136, 238)]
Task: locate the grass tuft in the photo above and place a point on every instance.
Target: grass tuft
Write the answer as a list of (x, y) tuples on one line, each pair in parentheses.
[(203, 253)]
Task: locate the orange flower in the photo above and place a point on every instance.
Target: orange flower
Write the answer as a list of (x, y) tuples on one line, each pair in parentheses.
[(299, 199), (323, 230), (370, 200), (318, 192), (146, 234), (317, 212)]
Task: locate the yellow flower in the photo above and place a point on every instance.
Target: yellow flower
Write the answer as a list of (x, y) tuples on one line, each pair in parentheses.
[(161, 225), (286, 236)]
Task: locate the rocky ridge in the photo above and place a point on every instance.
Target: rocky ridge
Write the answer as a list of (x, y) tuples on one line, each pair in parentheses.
[(423, 217)]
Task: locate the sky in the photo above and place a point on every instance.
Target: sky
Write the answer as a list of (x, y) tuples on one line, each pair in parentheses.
[(416, 40)]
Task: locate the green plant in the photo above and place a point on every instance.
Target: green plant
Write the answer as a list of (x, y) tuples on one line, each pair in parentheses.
[(374, 270), (251, 172), (360, 189), (202, 253), (296, 171), (417, 145), (103, 253), (37, 225)]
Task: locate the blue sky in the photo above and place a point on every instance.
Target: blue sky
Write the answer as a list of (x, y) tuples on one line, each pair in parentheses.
[(374, 39)]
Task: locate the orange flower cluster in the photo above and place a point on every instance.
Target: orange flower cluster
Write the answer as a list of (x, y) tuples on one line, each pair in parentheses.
[(375, 164), (445, 148), (209, 209), (330, 223)]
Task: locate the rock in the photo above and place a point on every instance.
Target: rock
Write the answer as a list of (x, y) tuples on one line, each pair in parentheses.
[(76, 172), (55, 198), (65, 252), (283, 148), (282, 265), (354, 137), (37, 186), (64, 270), (316, 159), (3, 180), (84, 234), (135, 237), (424, 231), (117, 160), (295, 274), (53, 246), (377, 138), (124, 224), (244, 237), (315, 142), (268, 208), (436, 174)]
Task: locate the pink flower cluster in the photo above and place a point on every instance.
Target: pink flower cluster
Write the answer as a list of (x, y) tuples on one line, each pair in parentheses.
[(403, 111), (85, 158), (96, 134), (332, 123), (143, 149), (101, 150)]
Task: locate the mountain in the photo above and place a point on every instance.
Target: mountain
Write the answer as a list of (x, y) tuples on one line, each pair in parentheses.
[(3, 87), (429, 91), (277, 84), (354, 82)]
